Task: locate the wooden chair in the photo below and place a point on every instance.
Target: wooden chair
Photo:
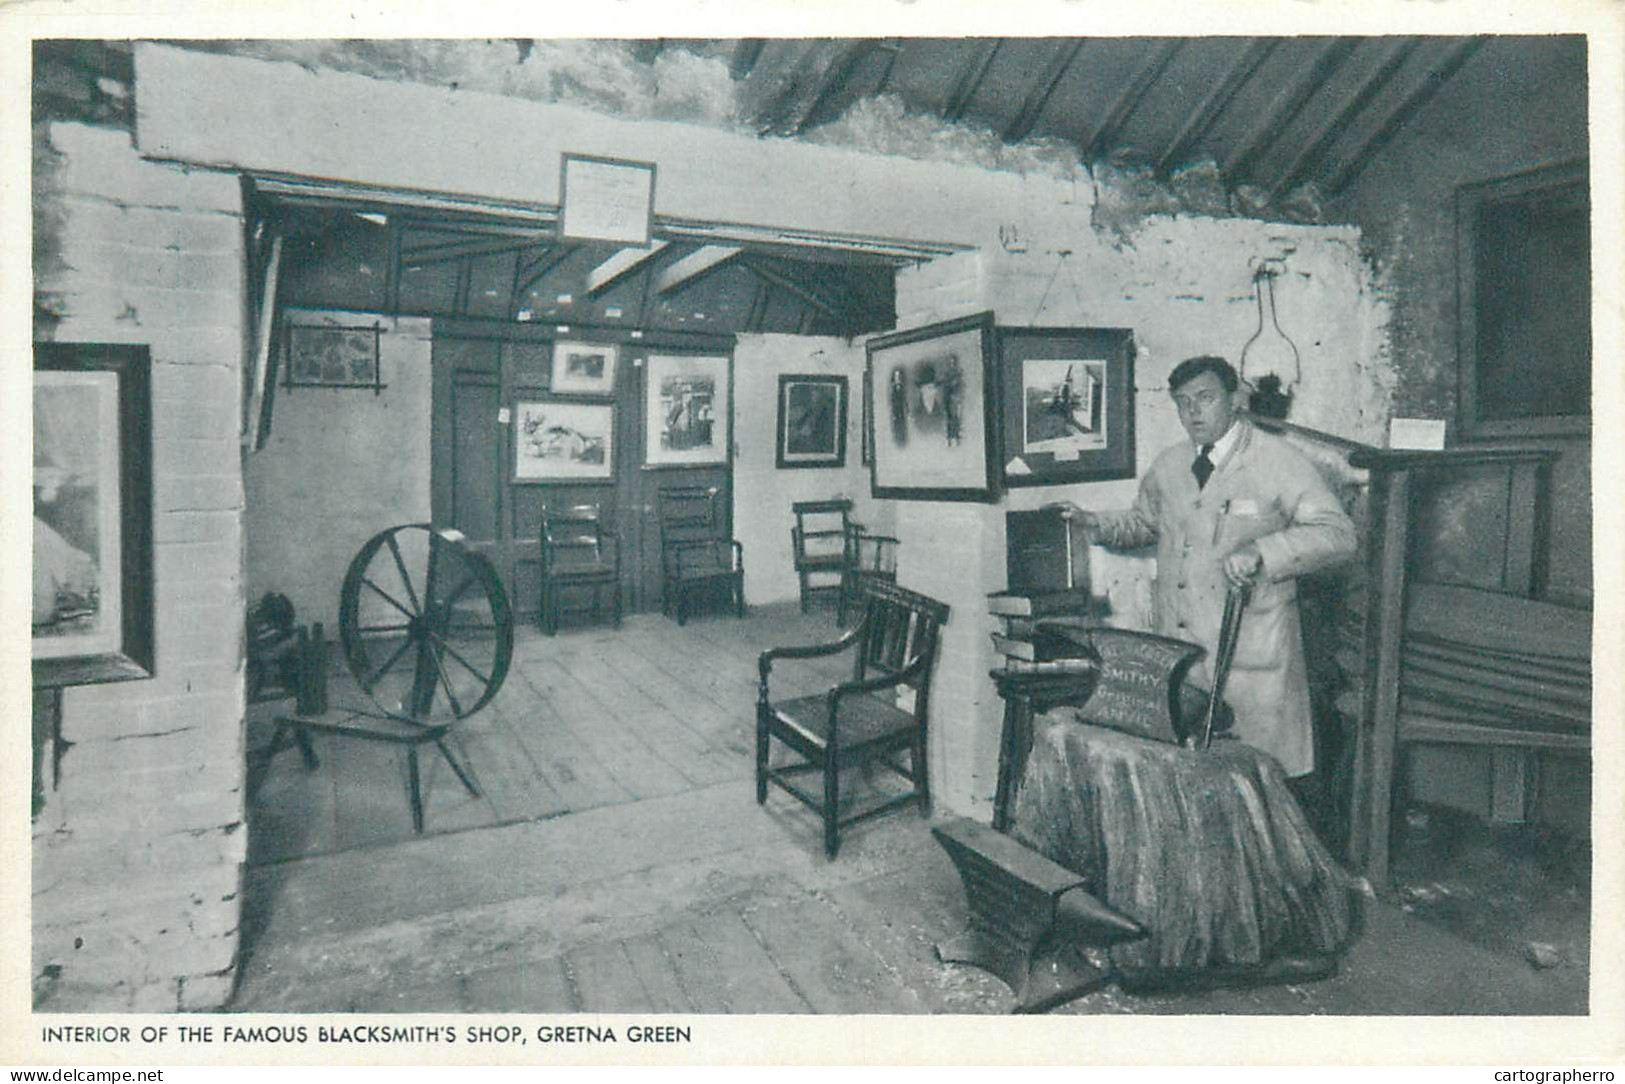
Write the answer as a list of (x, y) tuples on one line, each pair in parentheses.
[(869, 720), (578, 553), (697, 558), (817, 542), (864, 556)]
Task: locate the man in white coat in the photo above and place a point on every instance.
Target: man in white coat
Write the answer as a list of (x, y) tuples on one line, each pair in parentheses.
[(1236, 505)]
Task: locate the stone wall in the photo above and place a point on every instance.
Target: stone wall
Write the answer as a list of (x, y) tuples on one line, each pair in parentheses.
[(137, 854)]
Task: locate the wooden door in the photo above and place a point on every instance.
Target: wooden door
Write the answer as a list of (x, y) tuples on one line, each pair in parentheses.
[(467, 487), (480, 372)]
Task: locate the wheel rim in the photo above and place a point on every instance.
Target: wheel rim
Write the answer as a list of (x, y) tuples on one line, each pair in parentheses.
[(425, 625)]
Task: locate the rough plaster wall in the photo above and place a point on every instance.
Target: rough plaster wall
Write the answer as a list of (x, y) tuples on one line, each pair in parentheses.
[(341, 465), (1406, 205), (1184, 285), (137, 854), (763, 493)]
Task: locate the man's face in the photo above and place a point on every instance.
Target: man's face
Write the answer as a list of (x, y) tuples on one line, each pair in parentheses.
[(1205, 408)]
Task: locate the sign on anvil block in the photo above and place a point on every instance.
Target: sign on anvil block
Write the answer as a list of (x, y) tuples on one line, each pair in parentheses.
[(1140, 685)]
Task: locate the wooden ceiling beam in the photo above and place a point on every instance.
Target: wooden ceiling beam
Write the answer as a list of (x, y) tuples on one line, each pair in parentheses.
[(894, 49), (620, 265), (1212, 108), (1407, 110), (460, 250), (789, 285), (1131, 97), (747, 51), (1289, 104), (687, 270), (836, 79), (1038, 94), (546, 264), (1311, 155), (970, 80)]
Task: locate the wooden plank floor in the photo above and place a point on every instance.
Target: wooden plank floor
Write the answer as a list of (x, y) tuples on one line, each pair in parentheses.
[(616, 862), (589, 718)]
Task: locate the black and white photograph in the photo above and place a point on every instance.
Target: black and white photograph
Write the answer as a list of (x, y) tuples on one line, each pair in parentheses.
[(812, 421), (687, 410), (558, 440), (584, 368), (489, 682)]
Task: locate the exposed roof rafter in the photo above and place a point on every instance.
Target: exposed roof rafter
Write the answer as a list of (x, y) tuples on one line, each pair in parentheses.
[(1400, 117), (1213, 106), (1038, 94), (1289, 104), (1132, 95), (970, 79), (1305, 159), (620, 265), (702, 261)]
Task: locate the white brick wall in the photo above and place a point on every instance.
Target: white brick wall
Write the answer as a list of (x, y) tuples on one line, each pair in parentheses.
[(137, 855)]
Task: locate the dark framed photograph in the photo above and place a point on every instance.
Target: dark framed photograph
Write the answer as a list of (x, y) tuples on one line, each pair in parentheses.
[(812, 421), (687, 410), (92, 570), (323, 355), (1066, 404), (934, 415), (563, 442), (1523, 273), (584, 368)]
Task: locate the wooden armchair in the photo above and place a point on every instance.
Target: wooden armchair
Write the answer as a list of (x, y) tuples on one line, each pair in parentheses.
[(817, 544), (696, 555), (871, 719), (578, 552), (864, 556)]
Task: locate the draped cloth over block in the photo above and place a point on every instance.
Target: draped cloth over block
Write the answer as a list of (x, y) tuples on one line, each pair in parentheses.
[(1208, 850)]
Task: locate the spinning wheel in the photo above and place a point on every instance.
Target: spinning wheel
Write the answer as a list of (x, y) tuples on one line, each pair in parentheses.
[(425, 625), (428, 634)]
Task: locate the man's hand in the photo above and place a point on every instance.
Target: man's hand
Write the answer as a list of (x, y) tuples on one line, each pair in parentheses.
[(1243, 566), (1084, 521)]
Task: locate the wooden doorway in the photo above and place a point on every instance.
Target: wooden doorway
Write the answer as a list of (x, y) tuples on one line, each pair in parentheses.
[(481, 370)]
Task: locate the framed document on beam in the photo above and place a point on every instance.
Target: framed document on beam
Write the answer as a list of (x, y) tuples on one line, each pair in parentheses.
[(607, 199)]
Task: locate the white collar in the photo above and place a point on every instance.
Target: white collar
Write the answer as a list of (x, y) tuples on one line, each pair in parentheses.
[(1224, 444)]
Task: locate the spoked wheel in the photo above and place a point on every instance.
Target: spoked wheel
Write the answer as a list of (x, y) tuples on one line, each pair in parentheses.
[(425, 625)]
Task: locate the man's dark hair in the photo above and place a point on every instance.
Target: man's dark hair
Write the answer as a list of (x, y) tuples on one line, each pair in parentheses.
[(1191, 368)]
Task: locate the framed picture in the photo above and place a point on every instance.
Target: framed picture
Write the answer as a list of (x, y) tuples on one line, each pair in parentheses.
[(584, 368), (688, 409), (332, 356), (1066, 404), (92, 570), (934, 419), (812, 421), (1523, 275), (606, 199), (563, 442)]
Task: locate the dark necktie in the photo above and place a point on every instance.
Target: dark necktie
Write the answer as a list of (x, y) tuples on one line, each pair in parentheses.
[(1202, 467)]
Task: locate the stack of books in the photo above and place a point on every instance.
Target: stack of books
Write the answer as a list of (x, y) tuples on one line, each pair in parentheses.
[(1047, 606)]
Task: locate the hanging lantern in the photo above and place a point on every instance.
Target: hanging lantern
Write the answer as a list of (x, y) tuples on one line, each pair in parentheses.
[(1269, 362)]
